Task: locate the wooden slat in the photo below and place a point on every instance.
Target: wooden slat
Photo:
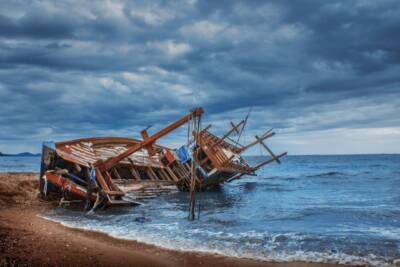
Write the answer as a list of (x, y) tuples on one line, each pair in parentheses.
[(268, 161), (135, 173), (267, 148), (101, 180), (163, 174), (83, 150), (115, 171), (114, 193), (170, 178), (172, 174), (108, 179), (153, 173), (150, 174)]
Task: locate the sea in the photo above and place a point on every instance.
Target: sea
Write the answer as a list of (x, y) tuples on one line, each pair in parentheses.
[(336, 209)]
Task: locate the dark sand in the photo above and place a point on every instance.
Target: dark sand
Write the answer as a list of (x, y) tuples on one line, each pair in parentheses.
[(28, 240)]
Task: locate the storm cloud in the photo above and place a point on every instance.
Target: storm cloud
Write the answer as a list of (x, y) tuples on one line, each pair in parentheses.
[(325, 74)]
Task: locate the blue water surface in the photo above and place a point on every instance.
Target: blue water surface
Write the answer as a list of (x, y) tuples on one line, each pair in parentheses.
[(20, 164), (313, 208)]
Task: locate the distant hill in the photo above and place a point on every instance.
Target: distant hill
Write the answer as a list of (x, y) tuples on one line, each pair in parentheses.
[(23, 154)]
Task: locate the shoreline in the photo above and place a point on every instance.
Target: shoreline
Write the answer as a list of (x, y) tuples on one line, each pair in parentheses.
[(32, 240)]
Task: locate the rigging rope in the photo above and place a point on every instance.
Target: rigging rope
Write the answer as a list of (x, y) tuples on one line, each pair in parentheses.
[(244, 124)]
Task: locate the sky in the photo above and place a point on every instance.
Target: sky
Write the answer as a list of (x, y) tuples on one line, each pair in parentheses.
[(324, 74)]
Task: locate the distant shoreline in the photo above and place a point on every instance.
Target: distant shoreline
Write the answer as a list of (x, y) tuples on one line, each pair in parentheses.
[(23, 154)]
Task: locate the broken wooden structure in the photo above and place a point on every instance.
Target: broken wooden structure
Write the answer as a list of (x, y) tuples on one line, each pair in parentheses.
[(126, 170)]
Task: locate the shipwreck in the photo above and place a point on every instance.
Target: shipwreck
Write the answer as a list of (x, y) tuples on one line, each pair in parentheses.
[(114, 171)]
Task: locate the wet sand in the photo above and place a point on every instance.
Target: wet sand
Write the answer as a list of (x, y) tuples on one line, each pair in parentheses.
[(29, 240)]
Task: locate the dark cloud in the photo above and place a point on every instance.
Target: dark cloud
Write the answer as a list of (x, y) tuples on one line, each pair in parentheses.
[(78, 68)]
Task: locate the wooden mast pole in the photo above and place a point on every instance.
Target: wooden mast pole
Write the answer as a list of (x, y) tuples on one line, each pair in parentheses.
[(268, 134), (234, 128)]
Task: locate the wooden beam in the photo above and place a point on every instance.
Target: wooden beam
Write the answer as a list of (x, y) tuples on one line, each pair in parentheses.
[(111, 162), (269, 150), (206, 129), (186, 165), (165, 175), (101, 180), (134, 173), (115, 171), (235, 142), (268, 161), (110, 183), (234, 126), (226, 162), (210, 154), (152, 173), (172, 174), (133, 170), (262, 138), (229, 133), (149, 147), (179, 172)]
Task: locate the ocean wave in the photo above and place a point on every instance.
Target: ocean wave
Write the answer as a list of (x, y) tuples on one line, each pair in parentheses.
[(280, 178), (265, 186), (240, 245), (340, 211), (331, 173)]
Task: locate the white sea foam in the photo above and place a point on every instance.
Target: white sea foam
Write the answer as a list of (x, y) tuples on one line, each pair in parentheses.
[(320, 219), (216, 245)]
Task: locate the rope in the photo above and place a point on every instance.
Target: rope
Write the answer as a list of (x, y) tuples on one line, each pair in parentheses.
[(244, 124)]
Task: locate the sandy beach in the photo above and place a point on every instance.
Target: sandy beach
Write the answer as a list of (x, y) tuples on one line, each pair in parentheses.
[(29, 240)]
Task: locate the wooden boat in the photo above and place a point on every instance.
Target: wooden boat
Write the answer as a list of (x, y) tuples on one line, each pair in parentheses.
[(121, 165)]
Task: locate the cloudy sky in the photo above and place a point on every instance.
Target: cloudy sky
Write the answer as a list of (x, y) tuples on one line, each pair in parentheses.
[(324, 74)]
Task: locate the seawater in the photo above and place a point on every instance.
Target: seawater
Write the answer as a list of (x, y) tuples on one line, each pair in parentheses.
[(20, 164), (342, 209)]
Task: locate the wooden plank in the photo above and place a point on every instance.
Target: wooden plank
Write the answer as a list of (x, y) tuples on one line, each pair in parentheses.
[(109, 163), (227, 161), (267, 148), (163, 174), (186, 165), (206, 129), (133, 170), (84, 151), (114, 193), (210, 155), (101, 180), (135, 173), (268, 134), (108, 179), (184, 169), (152, 175), (149, 147), (179, 172), (219, 157), (235, 128), (115, 171), (172, 174), (268, 161), (222, 154)]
